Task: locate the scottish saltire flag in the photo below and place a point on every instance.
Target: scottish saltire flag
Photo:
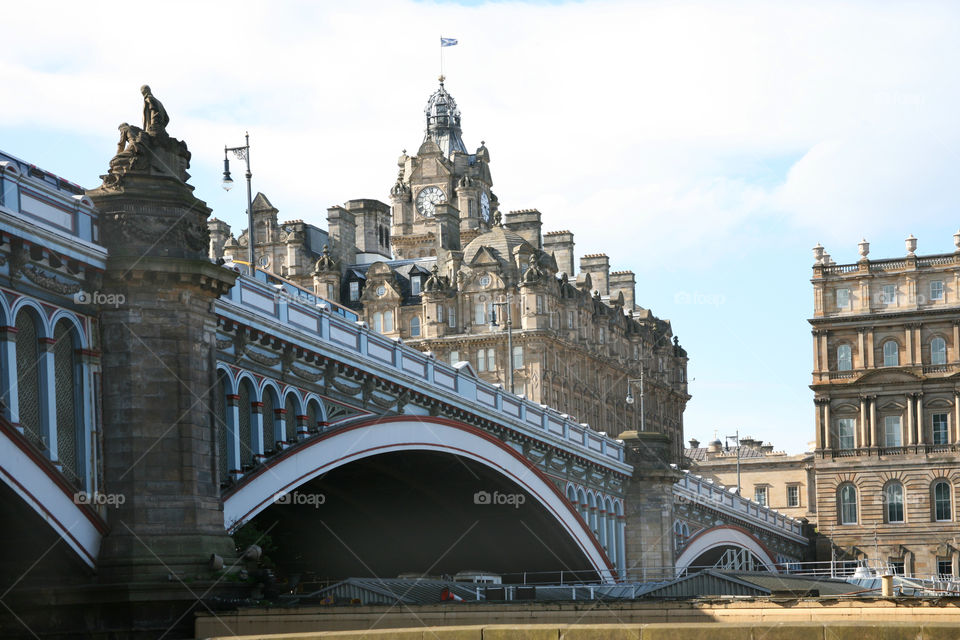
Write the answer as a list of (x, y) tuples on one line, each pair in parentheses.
[(447, 42)]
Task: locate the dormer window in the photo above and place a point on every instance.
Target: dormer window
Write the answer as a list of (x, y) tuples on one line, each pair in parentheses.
[(415, 285), (354, 291)]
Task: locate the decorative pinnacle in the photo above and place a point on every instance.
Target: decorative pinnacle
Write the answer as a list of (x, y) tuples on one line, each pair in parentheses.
[(442, 78)]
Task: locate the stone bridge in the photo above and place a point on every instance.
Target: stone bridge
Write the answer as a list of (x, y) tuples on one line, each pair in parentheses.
[(154, 402)]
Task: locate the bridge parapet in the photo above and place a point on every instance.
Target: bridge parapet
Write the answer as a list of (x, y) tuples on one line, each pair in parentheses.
[(310, 324), (701, 491)]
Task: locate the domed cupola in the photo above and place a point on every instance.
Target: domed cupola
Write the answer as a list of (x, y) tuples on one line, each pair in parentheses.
[(443, 122)]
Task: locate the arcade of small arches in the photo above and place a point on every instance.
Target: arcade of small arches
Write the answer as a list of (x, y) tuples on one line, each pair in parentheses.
[(47, 369), (603, 516), (257, 417)]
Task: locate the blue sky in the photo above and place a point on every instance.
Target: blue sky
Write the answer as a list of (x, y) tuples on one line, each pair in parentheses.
[(705, 146)]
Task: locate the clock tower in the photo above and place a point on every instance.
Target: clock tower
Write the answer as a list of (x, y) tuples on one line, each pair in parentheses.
[(442, 197)]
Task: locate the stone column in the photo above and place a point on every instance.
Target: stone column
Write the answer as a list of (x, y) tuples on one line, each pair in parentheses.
[(863, 422), (824, 352), (908, 344), (908, 440), (956, 416), (817, 404), (917, 345), (861, 344), (827, 440), (649, 501), (920, 422), (876, 438), (159, 375), (956, 342)]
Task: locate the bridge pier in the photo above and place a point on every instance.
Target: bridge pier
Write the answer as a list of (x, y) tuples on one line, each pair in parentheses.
[(159, 374), (649, 505)]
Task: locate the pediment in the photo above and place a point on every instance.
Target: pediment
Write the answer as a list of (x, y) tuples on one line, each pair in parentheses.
[(889, 376), (485, 256)]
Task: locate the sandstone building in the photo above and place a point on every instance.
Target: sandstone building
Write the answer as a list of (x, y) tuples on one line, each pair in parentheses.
[(771, 478), (886, 346), (443, 269)]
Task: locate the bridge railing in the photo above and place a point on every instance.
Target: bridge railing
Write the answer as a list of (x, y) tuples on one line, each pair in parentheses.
[(370, 350), (702, 491)]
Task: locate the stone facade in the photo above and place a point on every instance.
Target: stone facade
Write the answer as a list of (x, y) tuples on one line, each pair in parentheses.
[(771, 478), (434, 266), (886, 359)]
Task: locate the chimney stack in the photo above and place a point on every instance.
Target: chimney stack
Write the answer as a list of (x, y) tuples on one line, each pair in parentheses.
[(560, 244)]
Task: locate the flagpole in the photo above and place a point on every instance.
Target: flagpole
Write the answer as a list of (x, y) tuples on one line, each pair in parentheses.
[(441, 57)]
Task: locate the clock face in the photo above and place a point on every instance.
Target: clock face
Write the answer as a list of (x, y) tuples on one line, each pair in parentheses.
[(428, 199), (381, 290), (485, 206)]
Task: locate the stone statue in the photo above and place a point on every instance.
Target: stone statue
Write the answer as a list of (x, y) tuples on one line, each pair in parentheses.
[(130, 139), (155, 118)]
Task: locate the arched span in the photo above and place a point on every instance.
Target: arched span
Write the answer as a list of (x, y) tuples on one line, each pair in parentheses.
[(725, 536), (41, 486), (286, 472)]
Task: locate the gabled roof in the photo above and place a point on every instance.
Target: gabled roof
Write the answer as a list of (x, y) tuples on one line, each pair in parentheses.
[(260, 203)]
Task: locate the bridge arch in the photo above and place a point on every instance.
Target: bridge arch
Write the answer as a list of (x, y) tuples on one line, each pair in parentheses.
[(284, 473), (721, 537)]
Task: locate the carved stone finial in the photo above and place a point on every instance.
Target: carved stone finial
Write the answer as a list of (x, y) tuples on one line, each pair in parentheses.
[(818, 254), (911, 243), (864, 248)]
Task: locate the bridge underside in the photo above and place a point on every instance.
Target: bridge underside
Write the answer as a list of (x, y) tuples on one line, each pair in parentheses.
[(417, 511), (31, 552)]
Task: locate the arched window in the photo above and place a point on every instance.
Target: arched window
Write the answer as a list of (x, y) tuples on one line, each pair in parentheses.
[(942, 511), (387, 321), (220, 424), (290, 418), (847, 503), (938, 351), (246, 433), (891, 353), (313, 416), (28, 376), (68, 401), (893, 502), (378, 322), (844, 358), (270, 435), (415, 327)]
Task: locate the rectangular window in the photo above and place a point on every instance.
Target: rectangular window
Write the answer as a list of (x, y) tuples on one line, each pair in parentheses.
[(491, 360), (518, 357), (569, 319), (944, 568), (439, 313), (329, 291), (889, 294), (936, 290), (760, 495), (845, 427), (793, 496), (891, 425), (387, 321), (354, 291), (481, 360), (480, 313), (378, 322), (940, 429), (454, 357), (539, 304), (452, 317), (843, 298), (415, 286), (896, 567)]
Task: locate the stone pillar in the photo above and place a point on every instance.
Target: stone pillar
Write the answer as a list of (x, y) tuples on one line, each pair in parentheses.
[(8, 375), (862, 435), (875, 436), (870, 347), (649, 502), (956, 416), (861, 345), (827, 440), (158, 367), (956, 342), (819, 422), (909, 421), (920, 423), (908, 344)]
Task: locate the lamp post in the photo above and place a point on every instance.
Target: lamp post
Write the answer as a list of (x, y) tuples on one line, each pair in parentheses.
[(735, 438), (509, 327), (629, 398), (242, 153)]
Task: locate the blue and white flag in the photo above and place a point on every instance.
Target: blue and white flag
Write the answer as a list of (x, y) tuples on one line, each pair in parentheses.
[(447, 42)]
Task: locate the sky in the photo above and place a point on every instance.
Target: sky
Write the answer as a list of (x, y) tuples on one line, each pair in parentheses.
[(705, 146)]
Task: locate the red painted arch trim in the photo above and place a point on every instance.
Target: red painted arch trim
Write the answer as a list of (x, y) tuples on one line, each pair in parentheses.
[(476, 431), (766, 549)]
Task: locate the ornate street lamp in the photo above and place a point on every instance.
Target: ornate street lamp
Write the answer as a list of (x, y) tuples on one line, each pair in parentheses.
[(242, 153), (509, 327)]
